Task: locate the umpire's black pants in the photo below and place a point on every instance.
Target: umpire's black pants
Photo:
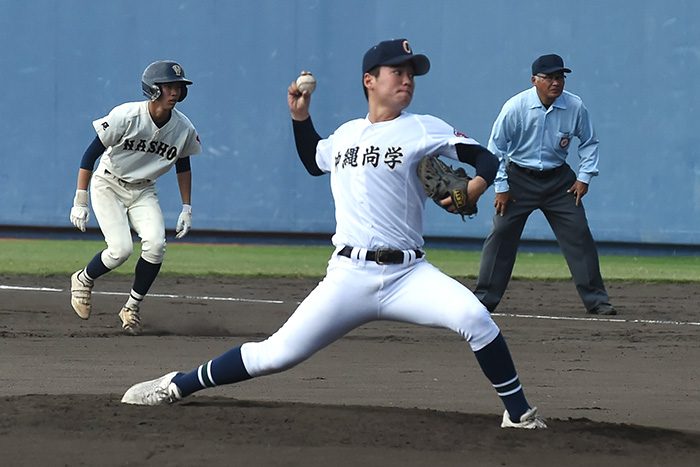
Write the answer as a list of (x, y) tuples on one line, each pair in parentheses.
[(568, 222)]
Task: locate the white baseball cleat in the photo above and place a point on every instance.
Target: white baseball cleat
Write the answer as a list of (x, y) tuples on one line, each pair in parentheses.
[(80, 296), (529, 420), (131, 321), (155, 392)]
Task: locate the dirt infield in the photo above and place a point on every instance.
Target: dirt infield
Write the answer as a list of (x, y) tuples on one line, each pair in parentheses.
[(615, 392)]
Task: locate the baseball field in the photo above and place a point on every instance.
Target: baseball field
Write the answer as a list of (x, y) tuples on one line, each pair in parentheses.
[(615, 391)]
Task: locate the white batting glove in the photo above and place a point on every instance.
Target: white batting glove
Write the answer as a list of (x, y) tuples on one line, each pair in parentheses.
[(184, 221), (79, 213)]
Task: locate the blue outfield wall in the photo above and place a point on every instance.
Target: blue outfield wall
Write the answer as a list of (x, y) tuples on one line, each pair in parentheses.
[(65, 63)]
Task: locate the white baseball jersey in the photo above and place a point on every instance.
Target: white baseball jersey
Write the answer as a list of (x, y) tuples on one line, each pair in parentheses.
[(137, 149), (379, 200)]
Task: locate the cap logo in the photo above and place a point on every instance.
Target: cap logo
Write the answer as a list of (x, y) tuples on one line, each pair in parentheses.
[(177, 69), (406, 47)]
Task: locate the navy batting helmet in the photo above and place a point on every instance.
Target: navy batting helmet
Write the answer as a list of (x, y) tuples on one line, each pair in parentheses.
[(163, 71)]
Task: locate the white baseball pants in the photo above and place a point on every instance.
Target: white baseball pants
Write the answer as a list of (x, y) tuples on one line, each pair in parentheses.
[(355, 292), (120, 206)]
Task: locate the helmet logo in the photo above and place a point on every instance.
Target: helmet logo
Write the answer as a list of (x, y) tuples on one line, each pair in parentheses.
[(177, 69)]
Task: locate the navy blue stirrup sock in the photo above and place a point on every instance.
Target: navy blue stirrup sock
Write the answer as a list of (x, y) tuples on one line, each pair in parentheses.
[(497, 365), (145, 275), (96, 267), (226, 369)]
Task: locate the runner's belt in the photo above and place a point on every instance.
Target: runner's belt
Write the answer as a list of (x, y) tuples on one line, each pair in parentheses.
[(124, 182)]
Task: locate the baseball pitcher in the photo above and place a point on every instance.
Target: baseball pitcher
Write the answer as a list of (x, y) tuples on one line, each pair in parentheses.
[(378, 270)]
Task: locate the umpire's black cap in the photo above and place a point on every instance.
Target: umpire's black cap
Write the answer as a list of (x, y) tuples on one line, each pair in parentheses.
[(547, 64), (394, 52)]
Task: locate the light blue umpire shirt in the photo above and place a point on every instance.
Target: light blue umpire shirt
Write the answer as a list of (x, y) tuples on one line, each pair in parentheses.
[(529, 135)]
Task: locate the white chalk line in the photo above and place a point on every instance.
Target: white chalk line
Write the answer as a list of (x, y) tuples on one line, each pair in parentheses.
[(151, 295), (609, 320), (281, 302)]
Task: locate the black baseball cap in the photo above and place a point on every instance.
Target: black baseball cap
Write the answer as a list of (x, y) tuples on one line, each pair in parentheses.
[(547, 64), (394, 52)]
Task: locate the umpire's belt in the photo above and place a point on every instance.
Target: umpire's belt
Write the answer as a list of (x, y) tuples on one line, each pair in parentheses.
[(536, 173), (382, 255)]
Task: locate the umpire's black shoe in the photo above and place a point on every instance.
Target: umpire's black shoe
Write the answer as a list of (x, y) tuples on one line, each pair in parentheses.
[(603, 309)]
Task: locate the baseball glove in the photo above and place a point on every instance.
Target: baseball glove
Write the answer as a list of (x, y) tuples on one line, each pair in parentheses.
[(441, 180)]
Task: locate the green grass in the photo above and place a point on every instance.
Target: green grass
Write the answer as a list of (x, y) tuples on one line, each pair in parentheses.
[(62, 257)]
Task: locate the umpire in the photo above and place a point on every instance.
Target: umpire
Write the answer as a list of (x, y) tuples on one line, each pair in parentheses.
[(531, 137)]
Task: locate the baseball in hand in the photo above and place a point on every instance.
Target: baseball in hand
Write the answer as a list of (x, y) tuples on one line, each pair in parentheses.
[(306, 82)]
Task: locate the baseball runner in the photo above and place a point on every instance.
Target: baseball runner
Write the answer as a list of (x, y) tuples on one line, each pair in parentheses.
[(137, 142), (378, 270)]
